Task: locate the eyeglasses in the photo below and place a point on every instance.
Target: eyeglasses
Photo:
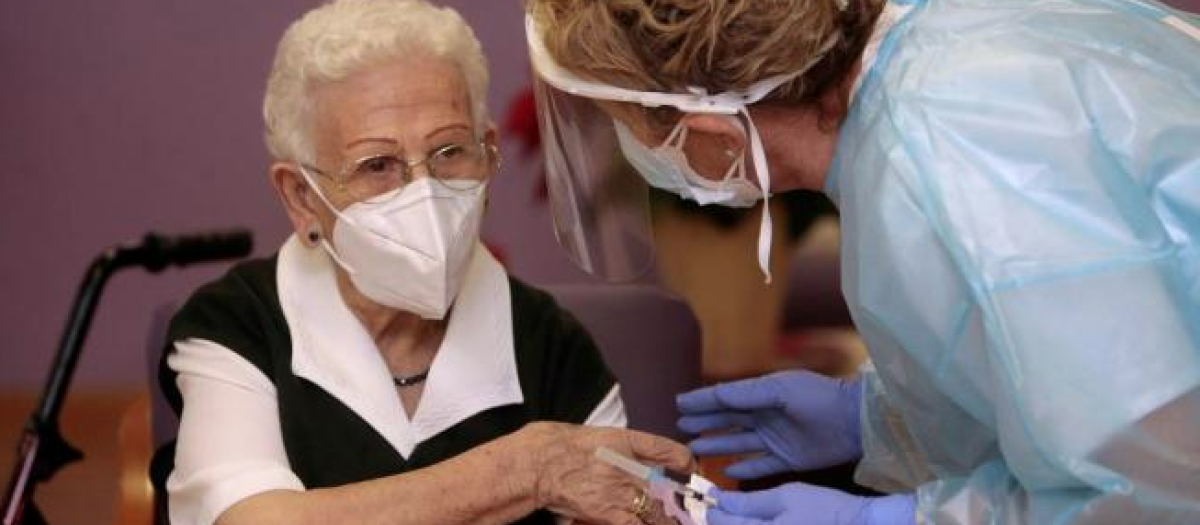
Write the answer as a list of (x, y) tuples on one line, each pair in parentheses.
[(372, 178)]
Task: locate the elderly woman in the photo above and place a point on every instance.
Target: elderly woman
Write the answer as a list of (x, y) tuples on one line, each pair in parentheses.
[(382, 367)]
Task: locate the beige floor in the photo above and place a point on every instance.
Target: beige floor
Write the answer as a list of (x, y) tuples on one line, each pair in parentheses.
[(86, 492)]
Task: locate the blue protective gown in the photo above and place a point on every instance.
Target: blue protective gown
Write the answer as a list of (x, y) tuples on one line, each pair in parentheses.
[(1019, 185)]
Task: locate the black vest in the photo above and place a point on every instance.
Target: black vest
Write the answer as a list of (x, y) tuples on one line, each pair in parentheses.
[(562, 376)]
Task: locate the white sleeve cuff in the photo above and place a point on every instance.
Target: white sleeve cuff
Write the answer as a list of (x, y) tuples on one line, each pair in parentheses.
[(230, 445), (610, 411), (201, 498)]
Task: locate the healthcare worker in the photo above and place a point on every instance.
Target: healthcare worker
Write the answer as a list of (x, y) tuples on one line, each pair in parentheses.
[(1019, 188)]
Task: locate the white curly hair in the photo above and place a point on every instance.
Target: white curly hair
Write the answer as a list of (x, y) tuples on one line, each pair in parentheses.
[(337, 39)]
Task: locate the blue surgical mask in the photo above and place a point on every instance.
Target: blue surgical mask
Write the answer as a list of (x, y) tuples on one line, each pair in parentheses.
[(666, 167)]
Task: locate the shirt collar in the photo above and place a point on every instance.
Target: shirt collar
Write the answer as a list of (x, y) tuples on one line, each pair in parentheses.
[(474, 369)]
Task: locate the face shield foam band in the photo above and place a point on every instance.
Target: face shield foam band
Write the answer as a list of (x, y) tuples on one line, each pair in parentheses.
[(695, 100)]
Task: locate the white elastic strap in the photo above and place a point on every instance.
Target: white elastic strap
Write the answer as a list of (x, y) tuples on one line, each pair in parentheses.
[(325, 243), (697, 101), (333, 254), (738, 167), (736, 170), (765, 227), (320, 194), (678, 136), (737, 100)]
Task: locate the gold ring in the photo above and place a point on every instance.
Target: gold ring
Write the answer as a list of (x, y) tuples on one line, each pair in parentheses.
[(641, 504)]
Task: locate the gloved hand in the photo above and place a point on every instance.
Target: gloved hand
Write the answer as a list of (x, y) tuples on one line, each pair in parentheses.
[(793, 420), (798, 503)]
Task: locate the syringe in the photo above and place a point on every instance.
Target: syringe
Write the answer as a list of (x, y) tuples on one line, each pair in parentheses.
[(679, 483)]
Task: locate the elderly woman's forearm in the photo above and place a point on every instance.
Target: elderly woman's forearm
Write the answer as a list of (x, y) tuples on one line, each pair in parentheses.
[(490, 484)]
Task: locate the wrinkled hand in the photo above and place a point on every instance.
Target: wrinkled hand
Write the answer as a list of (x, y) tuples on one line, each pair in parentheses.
[(793, 420), (572, 482), (797, 503)]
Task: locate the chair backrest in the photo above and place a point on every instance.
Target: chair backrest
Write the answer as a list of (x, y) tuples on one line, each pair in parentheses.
[(163, 422), (651, 341)]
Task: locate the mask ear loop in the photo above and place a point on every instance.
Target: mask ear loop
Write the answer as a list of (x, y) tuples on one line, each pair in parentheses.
[(324, 238), (677, 137), (333, 254), (320, 194), (737, 169)]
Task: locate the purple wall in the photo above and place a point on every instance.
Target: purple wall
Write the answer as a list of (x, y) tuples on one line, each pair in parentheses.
[(122, 116)]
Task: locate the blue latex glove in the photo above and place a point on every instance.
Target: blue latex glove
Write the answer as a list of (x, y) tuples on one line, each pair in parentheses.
[(797, 503), (791, 421)]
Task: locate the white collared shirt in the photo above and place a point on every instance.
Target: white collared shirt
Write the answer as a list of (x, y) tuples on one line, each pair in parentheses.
[(473, 370)]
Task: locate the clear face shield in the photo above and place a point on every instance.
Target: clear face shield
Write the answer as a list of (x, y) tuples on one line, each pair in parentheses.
[(602, 151)]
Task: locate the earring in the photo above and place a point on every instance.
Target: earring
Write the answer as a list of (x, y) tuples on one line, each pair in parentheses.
[(313, 236), (729, 153), (496, 155)]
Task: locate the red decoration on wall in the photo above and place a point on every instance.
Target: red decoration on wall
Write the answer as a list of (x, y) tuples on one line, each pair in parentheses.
[(521, 122)]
